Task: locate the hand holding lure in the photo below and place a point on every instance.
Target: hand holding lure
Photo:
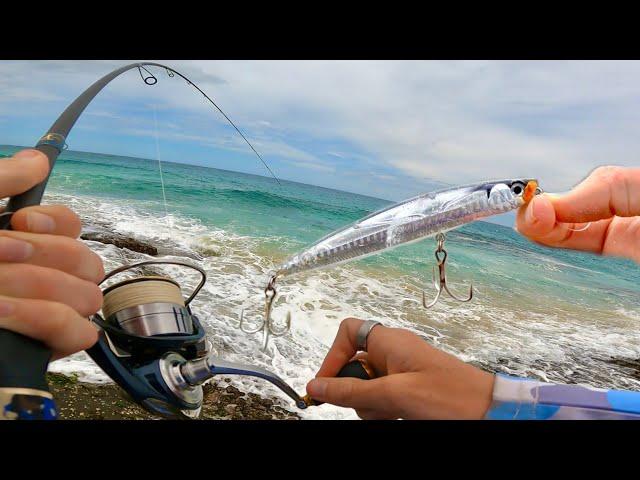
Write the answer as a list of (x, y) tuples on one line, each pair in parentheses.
[(406, 222)]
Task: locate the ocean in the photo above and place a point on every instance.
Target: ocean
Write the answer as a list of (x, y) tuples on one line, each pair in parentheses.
[(555, 315)]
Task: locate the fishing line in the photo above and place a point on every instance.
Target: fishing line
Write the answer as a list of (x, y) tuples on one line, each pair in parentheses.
[(164, 195), (151, 79), (581, 229)]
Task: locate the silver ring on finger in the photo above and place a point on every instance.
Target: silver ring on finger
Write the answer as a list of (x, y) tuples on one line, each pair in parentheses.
[(363, 334)]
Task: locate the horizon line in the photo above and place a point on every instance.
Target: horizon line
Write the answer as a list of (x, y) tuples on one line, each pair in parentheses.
[(215, 168)]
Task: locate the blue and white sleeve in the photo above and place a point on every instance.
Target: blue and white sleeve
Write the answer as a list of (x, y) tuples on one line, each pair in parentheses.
[(525, 399)]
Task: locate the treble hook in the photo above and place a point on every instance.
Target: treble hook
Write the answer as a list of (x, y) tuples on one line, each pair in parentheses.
[(268, 324), (441, 257)]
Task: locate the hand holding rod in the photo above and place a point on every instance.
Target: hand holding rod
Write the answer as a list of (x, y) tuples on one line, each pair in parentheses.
[(355, 369), (24, 393), (23, 362)]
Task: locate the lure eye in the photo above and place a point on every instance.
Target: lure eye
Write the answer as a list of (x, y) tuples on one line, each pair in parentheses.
[(517, 188)]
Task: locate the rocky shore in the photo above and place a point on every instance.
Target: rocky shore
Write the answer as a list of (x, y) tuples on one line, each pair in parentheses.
[(88, 401)]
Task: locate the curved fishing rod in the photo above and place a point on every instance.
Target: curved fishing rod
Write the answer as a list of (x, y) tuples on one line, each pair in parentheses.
[(169, 72), (24, 393)]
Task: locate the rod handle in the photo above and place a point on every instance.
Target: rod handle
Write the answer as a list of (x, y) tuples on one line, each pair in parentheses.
[(24, 393), (355, 369)]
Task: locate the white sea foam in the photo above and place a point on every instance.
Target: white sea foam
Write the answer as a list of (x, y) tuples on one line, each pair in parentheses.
[(491, 330)]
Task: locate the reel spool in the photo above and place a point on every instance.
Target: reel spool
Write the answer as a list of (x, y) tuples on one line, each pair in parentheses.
[(147, 306), (145, 319)]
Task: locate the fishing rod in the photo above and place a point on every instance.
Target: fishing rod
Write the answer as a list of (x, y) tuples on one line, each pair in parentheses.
[(150, 341)]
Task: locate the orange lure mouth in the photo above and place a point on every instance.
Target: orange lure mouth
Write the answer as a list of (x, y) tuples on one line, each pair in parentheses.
[(530, 191)]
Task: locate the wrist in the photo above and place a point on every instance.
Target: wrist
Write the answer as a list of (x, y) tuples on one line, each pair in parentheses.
[(466, 395), (482, 395)]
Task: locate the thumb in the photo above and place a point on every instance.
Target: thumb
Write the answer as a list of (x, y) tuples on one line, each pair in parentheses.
[(538, 218), (347, 392)]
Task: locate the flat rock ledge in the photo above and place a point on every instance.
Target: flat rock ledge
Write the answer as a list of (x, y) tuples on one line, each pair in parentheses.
[(88, 401), (120, 241)]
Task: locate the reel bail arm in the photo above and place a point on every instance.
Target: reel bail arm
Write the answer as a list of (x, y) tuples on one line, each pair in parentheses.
[(196, 372)]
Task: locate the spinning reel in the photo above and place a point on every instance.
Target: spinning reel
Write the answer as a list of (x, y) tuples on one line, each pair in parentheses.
[(154, 346)]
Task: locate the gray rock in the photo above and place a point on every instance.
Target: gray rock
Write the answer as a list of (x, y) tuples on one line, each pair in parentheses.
[(120, 241)]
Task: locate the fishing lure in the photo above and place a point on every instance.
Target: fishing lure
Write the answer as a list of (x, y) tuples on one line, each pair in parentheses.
[(406, 222)]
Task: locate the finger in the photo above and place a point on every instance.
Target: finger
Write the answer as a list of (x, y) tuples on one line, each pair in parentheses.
[(29, 281), (53, 219), (538, 222), (360, 356), (606, 192), (376, 364), (623, 238), (55, 324), (51, 251), (22, 171), (350, 392), (344, 347)]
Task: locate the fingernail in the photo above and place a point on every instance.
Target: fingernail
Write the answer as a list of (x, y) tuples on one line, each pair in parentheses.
[(6, 309), (529, 214), (537, 209), (40, 223), (317, 388), (12, 250)]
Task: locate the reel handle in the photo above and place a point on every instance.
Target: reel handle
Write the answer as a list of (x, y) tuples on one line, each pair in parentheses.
[(24, 392), (354, 369)]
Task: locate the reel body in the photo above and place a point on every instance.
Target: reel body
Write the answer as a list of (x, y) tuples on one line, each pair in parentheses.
[(155, 348), (146, 329)]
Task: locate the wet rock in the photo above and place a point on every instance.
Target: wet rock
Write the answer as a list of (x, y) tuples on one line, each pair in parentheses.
[(209, 251), (101, 233), (79, 401), (576, 370), (173, 250), (208, 247), (631, 366), (120, 241)]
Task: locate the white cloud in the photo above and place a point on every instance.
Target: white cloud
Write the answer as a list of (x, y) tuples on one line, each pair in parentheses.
[(451, 121)]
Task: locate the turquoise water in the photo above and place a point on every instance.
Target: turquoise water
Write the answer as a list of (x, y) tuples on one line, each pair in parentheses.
[(294, 215), (533, 304)]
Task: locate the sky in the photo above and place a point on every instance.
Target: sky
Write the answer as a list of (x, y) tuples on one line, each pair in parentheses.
[(388, 129)]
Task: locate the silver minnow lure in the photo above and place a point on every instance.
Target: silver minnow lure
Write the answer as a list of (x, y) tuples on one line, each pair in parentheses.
[(413, 220)]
